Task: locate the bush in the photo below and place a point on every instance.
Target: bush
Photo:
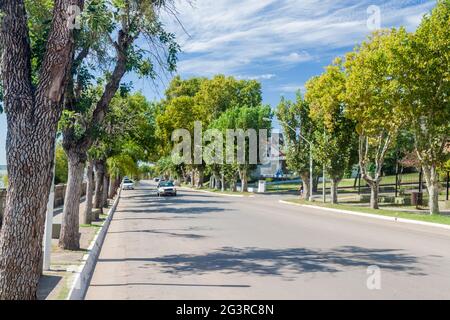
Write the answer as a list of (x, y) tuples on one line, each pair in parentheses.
[(5, 180), (61, 166)]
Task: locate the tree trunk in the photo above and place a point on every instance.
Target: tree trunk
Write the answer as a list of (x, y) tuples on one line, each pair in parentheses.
[(306, 186), (118, 181), (217, 181), (29, 168), (374, 191), (233, 186), (432, 179), (112, 187), (32, 117), (69, 238), (222, 182), (316, 184), (244, 180), (105, 190), (99, 174), (200, 178), (334, 190), (87, 215), (192, 178)]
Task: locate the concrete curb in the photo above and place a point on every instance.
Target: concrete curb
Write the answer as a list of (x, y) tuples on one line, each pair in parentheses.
[(85, 271), (369, 215), (218, 193)]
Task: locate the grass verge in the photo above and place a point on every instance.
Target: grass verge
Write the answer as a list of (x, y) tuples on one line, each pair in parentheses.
[(237, 193), (441, 219)]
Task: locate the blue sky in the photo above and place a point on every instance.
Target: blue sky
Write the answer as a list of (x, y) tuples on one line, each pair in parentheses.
[(281, 43)]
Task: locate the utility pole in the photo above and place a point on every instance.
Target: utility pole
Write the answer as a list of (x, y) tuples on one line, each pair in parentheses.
[(324, 186), (396, 180), (448, 184), (359, 183), (311, 161), (311, 178)]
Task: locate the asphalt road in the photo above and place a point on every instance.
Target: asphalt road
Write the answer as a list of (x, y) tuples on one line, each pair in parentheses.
[(202, 246)]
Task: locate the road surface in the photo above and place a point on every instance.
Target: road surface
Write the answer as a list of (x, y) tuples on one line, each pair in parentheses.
[(203, 246)]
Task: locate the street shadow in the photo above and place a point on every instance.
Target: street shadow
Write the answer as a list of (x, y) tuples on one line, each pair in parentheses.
[(167, 232), (285, 263), (171, 202), (171, 210), (172, 285), (46, 285), (153, 219)]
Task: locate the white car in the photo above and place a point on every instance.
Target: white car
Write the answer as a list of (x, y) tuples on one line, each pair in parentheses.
[(127, 184), (166, 188)]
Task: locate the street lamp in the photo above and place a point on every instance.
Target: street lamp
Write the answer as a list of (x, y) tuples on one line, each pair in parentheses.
[(310, 156)]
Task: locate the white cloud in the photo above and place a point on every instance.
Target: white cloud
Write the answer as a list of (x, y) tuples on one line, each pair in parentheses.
[(297, 57), (267, 76), (259, 36), (291, 88)]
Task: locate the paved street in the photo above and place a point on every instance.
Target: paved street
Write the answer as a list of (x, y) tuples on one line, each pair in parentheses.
[(203, 246)]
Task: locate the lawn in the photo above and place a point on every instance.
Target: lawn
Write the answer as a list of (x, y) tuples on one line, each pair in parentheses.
[(246, 194), (442, 219), (237, 193)]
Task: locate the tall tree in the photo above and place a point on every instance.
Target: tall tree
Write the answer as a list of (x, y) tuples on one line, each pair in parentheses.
[(33, 108), (335, 134), (134, 20), (221, 93), (293, 116), (374, 103), (421, 65), (250, 120)]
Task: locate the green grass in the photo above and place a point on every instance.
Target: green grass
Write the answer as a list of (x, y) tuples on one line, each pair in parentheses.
[(283, 187), (442, 219), (346, 183), (63, 293), (245, 194), (90, 226)]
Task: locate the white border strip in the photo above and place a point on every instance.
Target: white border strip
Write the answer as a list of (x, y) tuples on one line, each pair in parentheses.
[(369, 215), (85, 271), (218, 193)]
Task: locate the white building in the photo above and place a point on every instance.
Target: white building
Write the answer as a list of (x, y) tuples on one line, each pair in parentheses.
[(276, 167)]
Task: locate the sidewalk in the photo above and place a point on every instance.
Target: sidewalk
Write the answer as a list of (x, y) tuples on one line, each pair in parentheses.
[(55, 284)]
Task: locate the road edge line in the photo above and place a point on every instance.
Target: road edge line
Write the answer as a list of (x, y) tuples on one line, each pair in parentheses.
[(218, 193), (370, 215), (85, 271)]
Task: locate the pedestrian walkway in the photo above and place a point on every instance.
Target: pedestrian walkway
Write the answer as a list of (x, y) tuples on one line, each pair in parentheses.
[(55, 284)]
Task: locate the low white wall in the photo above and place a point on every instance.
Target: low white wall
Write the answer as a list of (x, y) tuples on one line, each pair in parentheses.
[(86, 270)]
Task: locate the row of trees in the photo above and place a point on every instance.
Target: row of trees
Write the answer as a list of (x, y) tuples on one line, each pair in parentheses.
[(56, 65), (219, 103), (391, 94)]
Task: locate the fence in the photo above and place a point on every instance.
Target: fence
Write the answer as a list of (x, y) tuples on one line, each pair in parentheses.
[(402, 185)]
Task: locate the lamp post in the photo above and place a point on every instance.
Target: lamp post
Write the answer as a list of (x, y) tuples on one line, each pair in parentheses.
[(310, 158)]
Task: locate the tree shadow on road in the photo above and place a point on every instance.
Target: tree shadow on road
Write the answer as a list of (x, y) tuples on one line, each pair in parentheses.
[(172, 210), (285, 263), (170, 202), (166, 232)]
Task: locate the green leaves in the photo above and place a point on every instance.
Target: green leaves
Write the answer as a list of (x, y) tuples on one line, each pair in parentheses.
[(296, 116), (372, 91), (334, 138), (426, 83)]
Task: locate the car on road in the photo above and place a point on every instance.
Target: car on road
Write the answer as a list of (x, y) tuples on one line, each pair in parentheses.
[(156, 180), (127, 184), (166, 188)]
